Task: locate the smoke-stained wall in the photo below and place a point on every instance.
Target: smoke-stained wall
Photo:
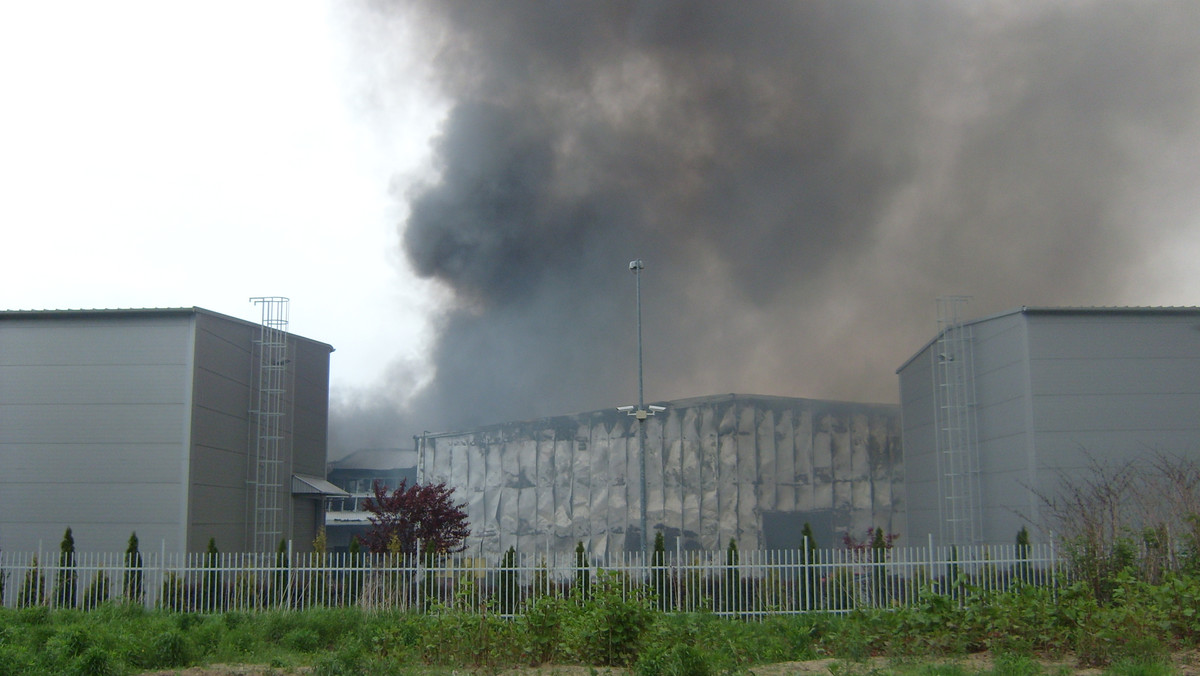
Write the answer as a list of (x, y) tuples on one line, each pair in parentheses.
[(717, 468)]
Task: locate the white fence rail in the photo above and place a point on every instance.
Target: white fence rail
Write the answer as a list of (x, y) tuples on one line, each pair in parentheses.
[(747, 584)]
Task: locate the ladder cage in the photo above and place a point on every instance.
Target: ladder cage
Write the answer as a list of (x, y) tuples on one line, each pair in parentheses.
[(267, 418), (956, 438)]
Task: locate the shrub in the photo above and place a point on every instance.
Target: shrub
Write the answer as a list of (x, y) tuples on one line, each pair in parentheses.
[(731, 597), (302, 639), (608, 628), (173, 595), (349, 660), (542, 627), (15, 660), (211, 597), (508, 591), (66, 645), (95, 662), (680, 659), (33, 587), (97, 591), (65, 578), (131, 579), (170, 649), (583, 574)]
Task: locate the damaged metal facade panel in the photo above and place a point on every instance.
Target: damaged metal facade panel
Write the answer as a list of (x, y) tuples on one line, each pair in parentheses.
[(748, 467)]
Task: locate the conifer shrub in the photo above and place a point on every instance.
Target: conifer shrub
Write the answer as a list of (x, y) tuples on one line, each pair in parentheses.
[(33, 587), (97, 591), (131, 579)]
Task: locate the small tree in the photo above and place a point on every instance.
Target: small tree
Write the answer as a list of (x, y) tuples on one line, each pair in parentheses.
[(318, 590), (953, 583), (659, 575), (1023, 555), (131, 582), (280, 592), (211, 582), (733, 578), (508, 590), (583, 576), (879, 547), (811, 576), (66, 579), (97, 591), (354, 580), (864, 549), (33, 587), (419, 513)]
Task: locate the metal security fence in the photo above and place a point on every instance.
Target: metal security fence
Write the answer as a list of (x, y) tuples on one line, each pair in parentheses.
[(743, 584)]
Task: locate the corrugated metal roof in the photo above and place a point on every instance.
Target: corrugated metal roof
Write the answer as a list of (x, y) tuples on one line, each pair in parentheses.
[(377, 459), (84, 312), (136, 312), (689, 402), (303, 484)]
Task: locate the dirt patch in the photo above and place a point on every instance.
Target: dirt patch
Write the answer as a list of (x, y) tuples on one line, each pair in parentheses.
[(230, 670), (1185, 663)]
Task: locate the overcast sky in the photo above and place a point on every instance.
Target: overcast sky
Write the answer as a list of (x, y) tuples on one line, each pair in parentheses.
[(175, 154), (803, 180)]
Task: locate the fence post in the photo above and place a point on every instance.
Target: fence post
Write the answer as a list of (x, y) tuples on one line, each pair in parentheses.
[(734, 583), (930, 563), (806, 578)]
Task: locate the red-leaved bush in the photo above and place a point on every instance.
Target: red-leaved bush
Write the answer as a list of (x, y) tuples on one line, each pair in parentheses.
[(418, 513)]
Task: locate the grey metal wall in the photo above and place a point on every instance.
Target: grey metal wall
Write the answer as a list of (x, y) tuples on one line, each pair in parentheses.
[(221, 439), (223, 443), (718, 467), (1002, 426), (115, 421), (93, 415), (310, 434), (922, 516), (1056, 387)]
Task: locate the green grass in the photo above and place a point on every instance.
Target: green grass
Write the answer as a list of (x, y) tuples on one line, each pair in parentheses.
[(612, 630)]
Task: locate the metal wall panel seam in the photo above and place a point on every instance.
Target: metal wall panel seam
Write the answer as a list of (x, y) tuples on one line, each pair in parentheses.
[(185, 445)]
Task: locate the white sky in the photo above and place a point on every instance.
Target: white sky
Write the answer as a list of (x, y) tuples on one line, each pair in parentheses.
[(168, 154)]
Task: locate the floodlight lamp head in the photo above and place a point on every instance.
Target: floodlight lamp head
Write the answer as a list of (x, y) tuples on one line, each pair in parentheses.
[(634, 266)]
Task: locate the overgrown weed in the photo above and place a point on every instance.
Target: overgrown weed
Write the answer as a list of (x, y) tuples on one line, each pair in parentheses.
[(617, 625)]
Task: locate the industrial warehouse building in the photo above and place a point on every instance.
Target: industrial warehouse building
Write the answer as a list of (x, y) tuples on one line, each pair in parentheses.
[(179, 424), (357, 474), (750, 468), (997, 410)]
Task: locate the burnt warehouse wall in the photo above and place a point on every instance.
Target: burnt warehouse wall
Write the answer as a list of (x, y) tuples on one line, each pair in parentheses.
[(753, 468)]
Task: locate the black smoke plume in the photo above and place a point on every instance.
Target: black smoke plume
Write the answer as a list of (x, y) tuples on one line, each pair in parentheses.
[(802, 179)]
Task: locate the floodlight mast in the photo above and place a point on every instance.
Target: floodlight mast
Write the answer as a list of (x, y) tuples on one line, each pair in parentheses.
[(636, 268), (641, 413)]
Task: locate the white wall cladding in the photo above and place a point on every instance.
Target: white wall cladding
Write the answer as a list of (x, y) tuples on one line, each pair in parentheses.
[(716, 466)]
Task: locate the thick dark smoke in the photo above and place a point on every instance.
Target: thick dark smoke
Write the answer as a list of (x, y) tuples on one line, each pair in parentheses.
[(802, 179)]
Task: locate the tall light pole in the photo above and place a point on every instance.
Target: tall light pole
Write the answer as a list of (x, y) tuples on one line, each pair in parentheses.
[(636, 268), (641, 412)]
